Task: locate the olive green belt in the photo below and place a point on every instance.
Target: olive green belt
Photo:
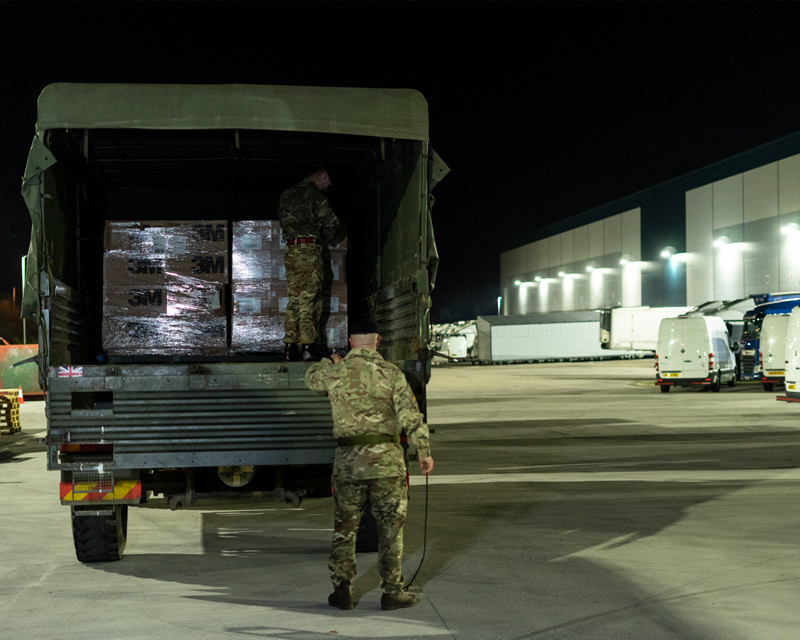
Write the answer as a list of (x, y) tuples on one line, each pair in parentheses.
[(377, 438)]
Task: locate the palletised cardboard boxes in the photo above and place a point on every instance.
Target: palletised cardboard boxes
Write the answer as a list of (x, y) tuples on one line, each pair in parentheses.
[(164, 287), (260, 295)]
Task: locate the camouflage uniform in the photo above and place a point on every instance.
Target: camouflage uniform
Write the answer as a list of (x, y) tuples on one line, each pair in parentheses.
[(305, 212), (369, 396)]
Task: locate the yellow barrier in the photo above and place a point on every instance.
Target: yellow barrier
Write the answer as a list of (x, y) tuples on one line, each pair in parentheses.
[(9, 410)]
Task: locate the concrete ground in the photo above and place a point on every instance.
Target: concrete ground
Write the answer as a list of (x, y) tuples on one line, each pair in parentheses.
[(568, 500)]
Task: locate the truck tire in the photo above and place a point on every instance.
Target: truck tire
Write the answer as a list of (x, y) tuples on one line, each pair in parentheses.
[(768, 386), (664, 388), (715, 383), (100, 538), (367, 536), (732, 382)]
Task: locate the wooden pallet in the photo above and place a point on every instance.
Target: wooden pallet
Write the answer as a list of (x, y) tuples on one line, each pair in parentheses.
[(9, 414)]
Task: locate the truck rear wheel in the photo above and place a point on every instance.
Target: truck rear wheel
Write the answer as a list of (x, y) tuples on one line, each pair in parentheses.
[(367, 535), (715, 386), (768, 386), (100, 538)]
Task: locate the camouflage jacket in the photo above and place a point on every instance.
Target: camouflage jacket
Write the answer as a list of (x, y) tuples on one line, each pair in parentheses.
[(305, 212), (369, 395)]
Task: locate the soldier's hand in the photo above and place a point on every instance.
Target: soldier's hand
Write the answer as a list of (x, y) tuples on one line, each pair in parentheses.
[(426, 465), (336, 358)]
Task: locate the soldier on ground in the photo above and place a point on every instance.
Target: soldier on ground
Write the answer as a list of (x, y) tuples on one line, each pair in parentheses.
[(308, 223), (372, 404)]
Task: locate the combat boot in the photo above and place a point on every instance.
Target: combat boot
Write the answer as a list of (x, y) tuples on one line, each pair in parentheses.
[(341, 598), (399, 600), (291, 353)]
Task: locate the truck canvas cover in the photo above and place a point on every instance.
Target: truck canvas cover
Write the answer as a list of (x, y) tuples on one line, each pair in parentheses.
[(388, 113), (384, 113)]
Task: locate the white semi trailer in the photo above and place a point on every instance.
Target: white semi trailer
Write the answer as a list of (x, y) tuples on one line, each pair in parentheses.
[(634, 328)]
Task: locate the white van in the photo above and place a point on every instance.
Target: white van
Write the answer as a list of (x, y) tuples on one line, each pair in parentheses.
[(772, 349), (694, 351), (792, 368)]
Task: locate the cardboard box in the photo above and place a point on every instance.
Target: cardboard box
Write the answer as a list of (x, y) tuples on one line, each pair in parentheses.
[(122, 300), (257, 333), (165, 335), (265, 333), (146, 252), (336, 332), (256, 266), (202, 267), (334, 267), (256, 235), (335, 299), (254, 299), (167, 237), (164, 287), (134, 269)]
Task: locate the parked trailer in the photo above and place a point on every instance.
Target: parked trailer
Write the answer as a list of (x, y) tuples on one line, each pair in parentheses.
[(634, 328), (186, 427), (533, 337)]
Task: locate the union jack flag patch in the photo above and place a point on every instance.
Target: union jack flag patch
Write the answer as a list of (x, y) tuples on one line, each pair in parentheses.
[(70, 372)]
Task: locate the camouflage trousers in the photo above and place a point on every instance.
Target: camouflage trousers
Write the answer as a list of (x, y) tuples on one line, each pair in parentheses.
[(303, 264), (389, 500)]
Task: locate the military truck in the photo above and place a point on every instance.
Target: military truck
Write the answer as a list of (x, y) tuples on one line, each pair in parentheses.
[(173, 428)]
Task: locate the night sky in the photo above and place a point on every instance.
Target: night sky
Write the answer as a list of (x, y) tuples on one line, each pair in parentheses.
[(542, 111)]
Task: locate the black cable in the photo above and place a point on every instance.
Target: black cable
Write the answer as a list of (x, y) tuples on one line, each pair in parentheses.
[(424, 538)]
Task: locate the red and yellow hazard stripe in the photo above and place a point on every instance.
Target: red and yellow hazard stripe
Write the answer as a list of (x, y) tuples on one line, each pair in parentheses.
[(128, 490)]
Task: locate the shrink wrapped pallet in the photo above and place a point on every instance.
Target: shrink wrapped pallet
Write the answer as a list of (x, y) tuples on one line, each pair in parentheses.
[(260, 294), (164, 287)]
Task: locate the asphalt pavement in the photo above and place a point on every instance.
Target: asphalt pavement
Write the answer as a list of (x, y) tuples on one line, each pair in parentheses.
[(568, 500)]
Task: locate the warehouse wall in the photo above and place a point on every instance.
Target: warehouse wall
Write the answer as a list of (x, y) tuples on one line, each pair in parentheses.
[(589, 257), (733, 229), (738, 240)]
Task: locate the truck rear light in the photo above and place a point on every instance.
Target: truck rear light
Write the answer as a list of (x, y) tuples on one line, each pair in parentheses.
[(86, 448), (761, 360), (656, 362), (710, 361)]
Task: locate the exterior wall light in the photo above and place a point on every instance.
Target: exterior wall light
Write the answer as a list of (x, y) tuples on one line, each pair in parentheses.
[(624, 261), (668, 252), (722, 241), (561, 274), (792, 227), (538, 278), (517, 282)]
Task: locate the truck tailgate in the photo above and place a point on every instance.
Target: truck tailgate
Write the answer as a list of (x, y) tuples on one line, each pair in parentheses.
[(188, 415)]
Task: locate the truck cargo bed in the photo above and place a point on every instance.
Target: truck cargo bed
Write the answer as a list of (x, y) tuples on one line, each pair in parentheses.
[(189, 415)]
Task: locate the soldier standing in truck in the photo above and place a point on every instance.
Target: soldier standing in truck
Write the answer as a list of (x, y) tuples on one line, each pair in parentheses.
[(308, 223), (372, 404)]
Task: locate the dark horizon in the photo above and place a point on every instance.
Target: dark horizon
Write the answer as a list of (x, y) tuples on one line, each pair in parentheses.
[(539, 119)]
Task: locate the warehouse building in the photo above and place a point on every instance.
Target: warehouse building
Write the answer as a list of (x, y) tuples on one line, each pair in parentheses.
[(722, 232)]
